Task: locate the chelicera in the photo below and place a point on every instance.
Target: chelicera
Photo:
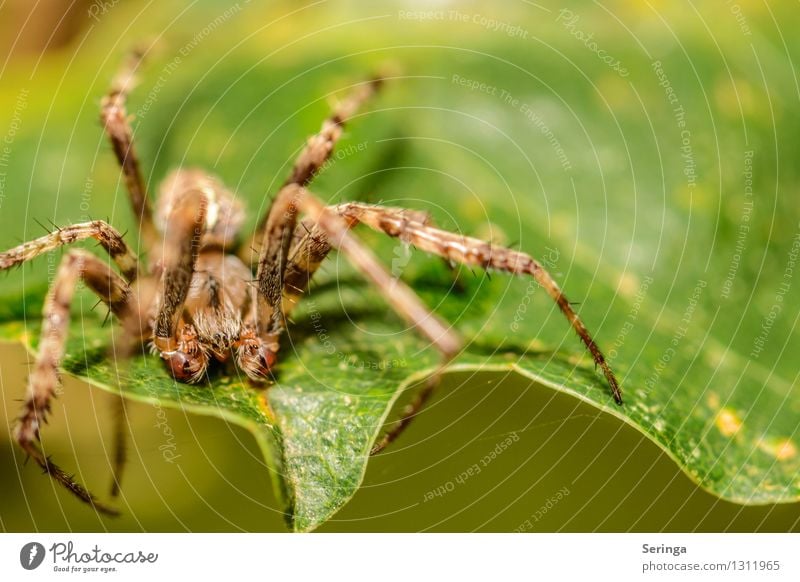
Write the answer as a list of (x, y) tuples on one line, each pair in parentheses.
[(205, 294)]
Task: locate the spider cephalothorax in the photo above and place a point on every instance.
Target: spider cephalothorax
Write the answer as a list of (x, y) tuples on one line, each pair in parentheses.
[(213, 316), (204, 295)]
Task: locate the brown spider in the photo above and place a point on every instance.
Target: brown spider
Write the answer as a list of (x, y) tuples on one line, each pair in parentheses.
[(193, 302)]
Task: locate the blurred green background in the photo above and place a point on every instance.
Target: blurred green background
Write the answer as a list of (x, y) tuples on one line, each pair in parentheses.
[(235, 102)]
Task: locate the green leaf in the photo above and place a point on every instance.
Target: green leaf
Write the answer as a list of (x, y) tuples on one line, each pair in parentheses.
[(554, 153)]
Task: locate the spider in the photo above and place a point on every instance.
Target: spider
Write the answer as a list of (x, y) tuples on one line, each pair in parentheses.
[(193, 301)]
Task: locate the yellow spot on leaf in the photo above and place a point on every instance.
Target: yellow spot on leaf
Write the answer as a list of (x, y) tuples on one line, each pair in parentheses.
[(728, 422), (266, 409), (780, 448)]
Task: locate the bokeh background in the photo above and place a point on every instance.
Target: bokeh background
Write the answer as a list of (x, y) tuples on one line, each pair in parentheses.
[(574, 468)]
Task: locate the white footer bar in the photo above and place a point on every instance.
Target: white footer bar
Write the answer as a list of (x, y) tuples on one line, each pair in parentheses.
[(401, 557)]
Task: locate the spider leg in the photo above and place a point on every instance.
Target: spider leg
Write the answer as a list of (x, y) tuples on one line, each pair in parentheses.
[(271, 321), (408, 414), (120, 446), (186, 224), (310, 246), (312, 158), (474, 252), (108, 237), (44, 379), (280, 226), (116, 122)]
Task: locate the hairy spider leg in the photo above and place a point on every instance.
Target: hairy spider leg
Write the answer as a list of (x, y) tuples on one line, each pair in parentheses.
[(105, 234), (312, 246), (316, 152), (115, 119), (44, 380), (478, 253), (272, 263), (185, 224), (109, 286), (399, 295)]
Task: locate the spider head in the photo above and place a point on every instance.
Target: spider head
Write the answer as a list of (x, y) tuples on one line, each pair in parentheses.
[(255, 356)]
